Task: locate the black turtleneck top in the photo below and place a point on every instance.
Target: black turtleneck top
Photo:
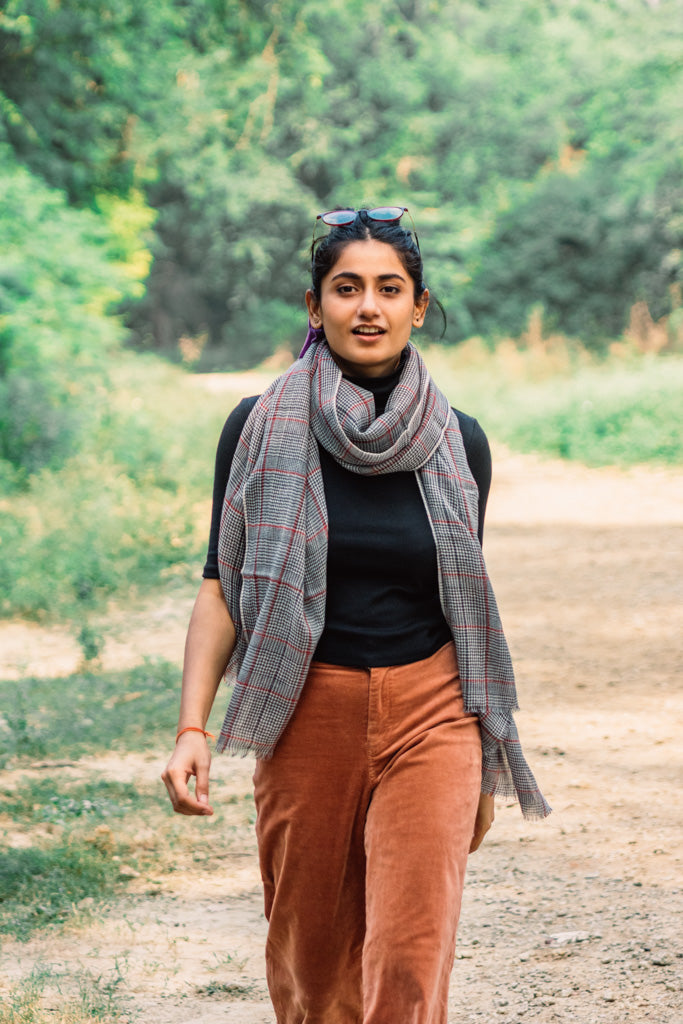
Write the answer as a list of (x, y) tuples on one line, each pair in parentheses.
[(382, 604)]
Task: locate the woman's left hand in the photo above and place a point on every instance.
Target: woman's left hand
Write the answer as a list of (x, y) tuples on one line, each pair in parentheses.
[(483, 821)]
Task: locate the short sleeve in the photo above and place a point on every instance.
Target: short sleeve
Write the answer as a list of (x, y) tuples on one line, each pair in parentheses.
[(225, 452)]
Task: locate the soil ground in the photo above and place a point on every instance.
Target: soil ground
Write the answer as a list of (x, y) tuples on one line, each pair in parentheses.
[(575, 919)]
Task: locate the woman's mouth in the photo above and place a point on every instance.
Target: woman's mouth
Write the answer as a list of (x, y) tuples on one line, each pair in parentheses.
[(368, 332)]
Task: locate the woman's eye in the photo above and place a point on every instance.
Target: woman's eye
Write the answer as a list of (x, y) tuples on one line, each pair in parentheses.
[(345, 289)]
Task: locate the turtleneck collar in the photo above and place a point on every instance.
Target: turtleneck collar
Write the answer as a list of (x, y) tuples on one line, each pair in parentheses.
[(381, 387)]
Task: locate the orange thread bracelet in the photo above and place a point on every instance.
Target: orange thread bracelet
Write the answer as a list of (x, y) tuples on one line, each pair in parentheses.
[(194, 728)]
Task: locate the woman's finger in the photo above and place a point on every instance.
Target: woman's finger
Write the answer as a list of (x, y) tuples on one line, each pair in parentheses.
[(184, 802), (201, 788)]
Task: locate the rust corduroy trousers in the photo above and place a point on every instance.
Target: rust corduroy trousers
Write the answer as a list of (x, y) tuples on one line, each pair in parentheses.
[(365, 814)]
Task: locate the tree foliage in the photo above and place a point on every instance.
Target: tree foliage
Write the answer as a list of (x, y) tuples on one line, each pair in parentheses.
[(536, 143), (58, 275)]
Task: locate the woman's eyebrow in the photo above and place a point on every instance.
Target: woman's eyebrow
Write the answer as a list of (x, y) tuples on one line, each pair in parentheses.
[(358, 277)]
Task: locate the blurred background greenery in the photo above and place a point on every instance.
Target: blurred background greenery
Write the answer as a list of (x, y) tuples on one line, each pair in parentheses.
[(161, 166)]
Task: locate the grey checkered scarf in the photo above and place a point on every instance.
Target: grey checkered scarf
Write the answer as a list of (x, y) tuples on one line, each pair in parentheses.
[(272, 551)]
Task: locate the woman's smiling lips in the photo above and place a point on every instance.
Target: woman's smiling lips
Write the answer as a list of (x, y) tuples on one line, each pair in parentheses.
[(364, 331)]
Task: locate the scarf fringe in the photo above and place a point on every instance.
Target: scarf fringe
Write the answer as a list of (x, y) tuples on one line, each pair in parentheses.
[(505, 772), (238, 748)]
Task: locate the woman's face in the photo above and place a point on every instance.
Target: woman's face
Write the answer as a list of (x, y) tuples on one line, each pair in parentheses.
[(367, 307)]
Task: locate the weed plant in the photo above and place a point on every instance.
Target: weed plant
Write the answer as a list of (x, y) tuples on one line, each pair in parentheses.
[(48, 997)]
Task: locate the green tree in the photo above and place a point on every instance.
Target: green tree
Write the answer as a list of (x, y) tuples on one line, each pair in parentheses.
[(527, 136), (58, 276)]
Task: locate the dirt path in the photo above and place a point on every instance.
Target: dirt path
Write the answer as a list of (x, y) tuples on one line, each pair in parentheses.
[(577, 919)]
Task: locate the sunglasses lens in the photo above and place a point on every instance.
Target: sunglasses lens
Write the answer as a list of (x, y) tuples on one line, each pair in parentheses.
[(336, 218), (386, 213)]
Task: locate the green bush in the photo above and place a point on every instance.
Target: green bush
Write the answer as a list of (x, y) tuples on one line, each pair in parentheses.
[(606, 416), (37, 427), (57, 280), (608, 428), (123, 511), (560, 402), (537, 144)]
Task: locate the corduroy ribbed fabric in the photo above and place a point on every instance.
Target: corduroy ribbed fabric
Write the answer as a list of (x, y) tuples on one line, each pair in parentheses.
[(365, 817)]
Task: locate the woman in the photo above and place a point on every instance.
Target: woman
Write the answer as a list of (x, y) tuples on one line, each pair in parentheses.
[(346, 593)]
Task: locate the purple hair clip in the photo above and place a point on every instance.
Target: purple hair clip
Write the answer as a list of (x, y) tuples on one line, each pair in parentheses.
[(314, 337)]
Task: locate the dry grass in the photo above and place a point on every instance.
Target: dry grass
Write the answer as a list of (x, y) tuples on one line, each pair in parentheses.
[(54, 996)]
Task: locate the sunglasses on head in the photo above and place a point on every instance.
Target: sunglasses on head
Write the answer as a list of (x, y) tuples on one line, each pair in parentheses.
[(385, 214), (381, 214)]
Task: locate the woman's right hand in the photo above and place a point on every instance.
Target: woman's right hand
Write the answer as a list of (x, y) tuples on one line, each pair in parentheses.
[(209, 644), (190, 757)]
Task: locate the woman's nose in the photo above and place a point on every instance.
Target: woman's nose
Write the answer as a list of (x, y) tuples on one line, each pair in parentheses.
[(368, 303)]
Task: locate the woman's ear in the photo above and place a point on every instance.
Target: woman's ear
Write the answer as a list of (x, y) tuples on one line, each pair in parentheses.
[(313, 309), (420, 309)]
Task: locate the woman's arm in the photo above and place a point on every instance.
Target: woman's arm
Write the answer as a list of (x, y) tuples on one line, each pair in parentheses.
[(209, 644)]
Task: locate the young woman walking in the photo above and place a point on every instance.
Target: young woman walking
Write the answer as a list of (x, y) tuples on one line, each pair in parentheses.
[(346, 594)]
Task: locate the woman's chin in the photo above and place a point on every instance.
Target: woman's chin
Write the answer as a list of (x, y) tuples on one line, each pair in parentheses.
[(368, 361)]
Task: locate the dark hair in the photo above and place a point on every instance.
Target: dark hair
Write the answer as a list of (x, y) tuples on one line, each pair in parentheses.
[(326, 251)]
